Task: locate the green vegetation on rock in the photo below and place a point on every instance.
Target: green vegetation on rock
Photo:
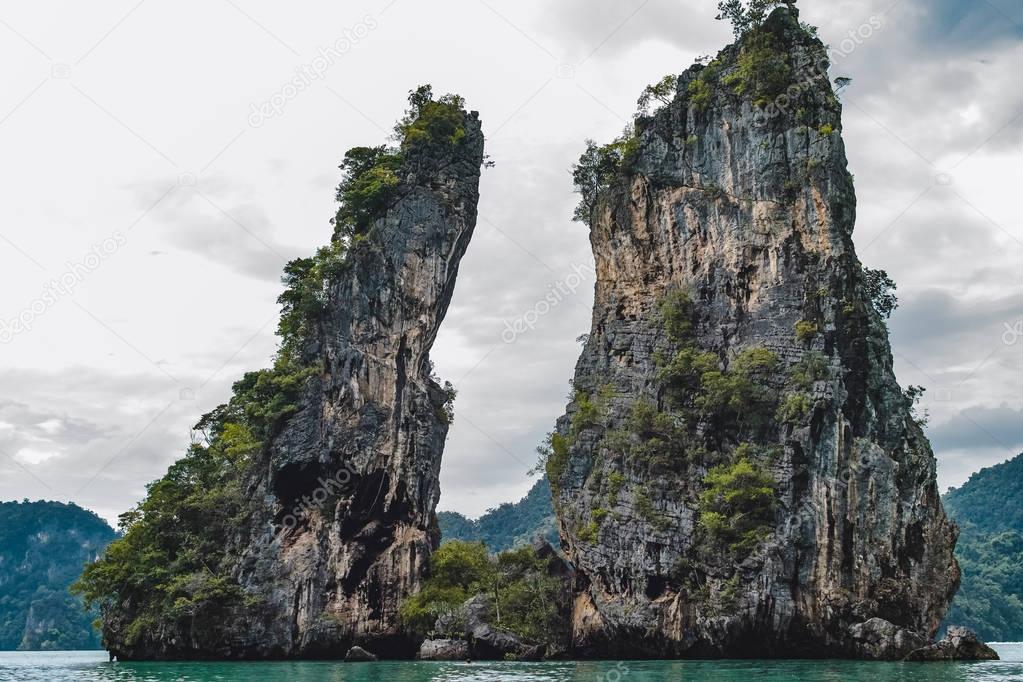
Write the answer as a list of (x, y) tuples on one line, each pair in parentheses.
[(524, 598), (174, 563), (737, 505), (597, 169)]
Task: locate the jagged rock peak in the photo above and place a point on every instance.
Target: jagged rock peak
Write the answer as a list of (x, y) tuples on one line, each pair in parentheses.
[(305, 510), (739, 473)]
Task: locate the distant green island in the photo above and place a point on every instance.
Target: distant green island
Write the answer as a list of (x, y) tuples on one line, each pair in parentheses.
[(508, 525), (989, 511), (43, 548)]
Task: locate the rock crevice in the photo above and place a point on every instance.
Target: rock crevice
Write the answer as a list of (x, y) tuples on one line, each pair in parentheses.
[(738, 345)]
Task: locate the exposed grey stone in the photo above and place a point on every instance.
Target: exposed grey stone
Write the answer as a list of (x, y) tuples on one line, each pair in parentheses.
[(358, 654), (443, 650), (343, 521), (752, 215), (959, 644), (882, 640)]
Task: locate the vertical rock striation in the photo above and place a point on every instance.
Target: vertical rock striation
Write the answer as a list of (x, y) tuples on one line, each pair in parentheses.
[(375, 422), (341, 519), (726, 233)]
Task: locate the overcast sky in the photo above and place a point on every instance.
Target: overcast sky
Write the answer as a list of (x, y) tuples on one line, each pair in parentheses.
[(143, 170)]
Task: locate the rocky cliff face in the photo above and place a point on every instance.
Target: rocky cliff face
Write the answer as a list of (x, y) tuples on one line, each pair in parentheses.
[(739, 473), (340, 521)]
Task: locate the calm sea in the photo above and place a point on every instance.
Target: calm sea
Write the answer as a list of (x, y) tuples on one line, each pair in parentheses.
[(89, 666)]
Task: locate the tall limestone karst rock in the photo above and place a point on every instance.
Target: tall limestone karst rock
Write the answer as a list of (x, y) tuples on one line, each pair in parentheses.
[(327, 465), (739, 474)]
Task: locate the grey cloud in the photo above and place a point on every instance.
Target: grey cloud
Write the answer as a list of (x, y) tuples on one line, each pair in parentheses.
[(607, 28), (217, 222), (970, 23), (979, 428), (935, 320)]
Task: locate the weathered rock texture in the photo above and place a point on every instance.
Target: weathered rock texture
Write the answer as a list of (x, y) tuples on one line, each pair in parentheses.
[(752, 216), (343, 509), (959, 644)]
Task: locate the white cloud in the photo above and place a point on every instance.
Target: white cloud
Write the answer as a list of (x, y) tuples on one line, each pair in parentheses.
[(101, 374)]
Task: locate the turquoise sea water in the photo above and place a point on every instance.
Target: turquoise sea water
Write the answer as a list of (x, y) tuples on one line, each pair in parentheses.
[(92, 666)]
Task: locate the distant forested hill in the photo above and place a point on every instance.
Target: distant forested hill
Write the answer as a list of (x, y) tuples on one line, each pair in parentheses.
[(509, 524), (43, 547), (989, 511)]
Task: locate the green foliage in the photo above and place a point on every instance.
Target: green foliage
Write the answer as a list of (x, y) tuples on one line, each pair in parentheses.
[(371, 178), (171, 563), (738, 396), (368, 186), (588, 533), (457, 571), (989, 511), (663, 91), (812, 367), (507, 525), (695, 383), (587, 414), (762, 71), (446, 412), (794, 408), (746, 15), (598, 168), (913, 396), (43, 547), (677, 314), (171, 566), (806, 331), (701, 93), (553, 458), (615, 482), (714, 192), (429, 122), (525, 596), (591, 412), (645, 508), (826, 129), (306, 282), (660, 439), (990, 597), (880, 291), (737, 505), (682, 377)]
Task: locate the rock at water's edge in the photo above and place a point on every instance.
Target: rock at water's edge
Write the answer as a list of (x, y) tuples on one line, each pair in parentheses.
[(959, 644), (357, 653), (443, 650)]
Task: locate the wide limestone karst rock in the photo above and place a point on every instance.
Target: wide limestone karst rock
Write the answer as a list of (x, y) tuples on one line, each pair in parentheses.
[(340, 518), (739, 473)]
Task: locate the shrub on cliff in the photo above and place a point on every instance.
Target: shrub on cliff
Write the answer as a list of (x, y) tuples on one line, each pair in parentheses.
[(597, 169), (370, 180), (737, 505)]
